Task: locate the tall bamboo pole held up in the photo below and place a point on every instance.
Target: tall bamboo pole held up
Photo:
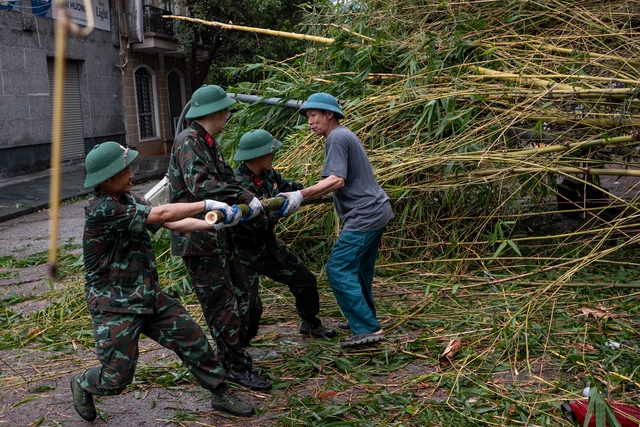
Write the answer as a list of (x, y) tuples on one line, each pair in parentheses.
[(56, 147)]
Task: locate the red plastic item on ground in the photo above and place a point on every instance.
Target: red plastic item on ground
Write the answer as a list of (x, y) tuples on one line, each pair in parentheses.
[(627, 415)]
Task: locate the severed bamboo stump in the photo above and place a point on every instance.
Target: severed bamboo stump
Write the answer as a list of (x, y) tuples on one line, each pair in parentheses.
[(269, 205)]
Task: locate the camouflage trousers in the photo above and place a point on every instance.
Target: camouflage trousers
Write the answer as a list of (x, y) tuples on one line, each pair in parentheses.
[(221, 287), (292, 272), (117, 336)]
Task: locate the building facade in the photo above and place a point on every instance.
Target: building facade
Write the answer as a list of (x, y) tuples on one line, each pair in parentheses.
[(125, 81)]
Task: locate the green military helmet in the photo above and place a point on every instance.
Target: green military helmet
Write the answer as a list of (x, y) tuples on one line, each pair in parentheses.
[(207, 100), (105, 161), (256, 143)]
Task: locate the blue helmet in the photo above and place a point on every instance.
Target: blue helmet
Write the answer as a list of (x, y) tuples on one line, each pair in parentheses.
[(321, 101)]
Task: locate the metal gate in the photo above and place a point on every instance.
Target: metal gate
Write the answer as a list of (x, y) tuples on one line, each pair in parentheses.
[(72, 130)]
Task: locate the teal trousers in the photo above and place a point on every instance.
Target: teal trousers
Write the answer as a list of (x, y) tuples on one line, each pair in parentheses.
[(350, 270)]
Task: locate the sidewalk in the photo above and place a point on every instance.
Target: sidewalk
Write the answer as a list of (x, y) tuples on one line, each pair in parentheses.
[(25, 194)]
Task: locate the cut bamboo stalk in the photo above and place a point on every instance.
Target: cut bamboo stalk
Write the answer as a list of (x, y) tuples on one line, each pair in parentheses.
[(56, 147), (269, 205), (546, 84), (603, 142), (604, 122), (230, 26), (586, 285), (566, 170), (562, 76), (566, 51), (577, 92)]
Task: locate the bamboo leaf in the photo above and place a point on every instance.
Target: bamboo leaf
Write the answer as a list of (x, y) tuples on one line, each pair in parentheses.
[(514, 247), (499, 250)]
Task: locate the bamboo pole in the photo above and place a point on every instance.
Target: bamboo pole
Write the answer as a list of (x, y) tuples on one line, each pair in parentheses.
[(230, 26), (606, 93), (586, 285), (566, 170), (585, 121), (541, 45), (63, 26), (546, 84), (602, 142), (591, 55), (56, 146), (269, 205), (560, 76)]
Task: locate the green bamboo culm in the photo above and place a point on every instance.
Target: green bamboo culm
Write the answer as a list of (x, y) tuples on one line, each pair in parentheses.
[(268, 205)]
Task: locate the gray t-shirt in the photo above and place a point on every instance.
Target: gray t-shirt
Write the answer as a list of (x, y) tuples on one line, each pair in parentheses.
[(361, 203)]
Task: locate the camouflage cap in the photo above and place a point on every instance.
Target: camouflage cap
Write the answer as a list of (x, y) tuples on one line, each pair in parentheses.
[(256, 143), (105, 161), (207, 100)]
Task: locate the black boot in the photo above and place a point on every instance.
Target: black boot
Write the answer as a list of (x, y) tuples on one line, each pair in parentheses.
[(344, 326), (316, 330), (249, 379)]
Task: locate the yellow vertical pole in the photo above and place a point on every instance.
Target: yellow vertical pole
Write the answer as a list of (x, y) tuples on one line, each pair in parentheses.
[(64, 24), (56, 144)]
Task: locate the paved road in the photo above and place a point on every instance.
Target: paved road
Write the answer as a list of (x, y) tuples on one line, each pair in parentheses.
[(23, 369)]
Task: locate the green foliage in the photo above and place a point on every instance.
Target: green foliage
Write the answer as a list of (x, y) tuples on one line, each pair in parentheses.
[(68, 262), (171, 270), (232, 48), (33, 260), (448, 140), (600, 409)]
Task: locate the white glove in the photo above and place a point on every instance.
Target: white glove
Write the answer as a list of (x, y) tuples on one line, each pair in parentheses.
[(235, 219), (292, 204), (232, 214), (255, 208)]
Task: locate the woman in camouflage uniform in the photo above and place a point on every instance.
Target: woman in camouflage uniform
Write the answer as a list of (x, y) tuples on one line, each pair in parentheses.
[(122, 290)]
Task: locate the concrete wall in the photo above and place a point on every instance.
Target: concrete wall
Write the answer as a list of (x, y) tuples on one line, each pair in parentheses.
[(26, 41)]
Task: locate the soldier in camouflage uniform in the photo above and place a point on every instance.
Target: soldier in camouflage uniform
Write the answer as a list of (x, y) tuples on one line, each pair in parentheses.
[(260, 250), (197, 171), (122, 290)]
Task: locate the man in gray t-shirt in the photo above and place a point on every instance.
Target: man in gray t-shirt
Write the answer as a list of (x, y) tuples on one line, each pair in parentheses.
[(363, 206)]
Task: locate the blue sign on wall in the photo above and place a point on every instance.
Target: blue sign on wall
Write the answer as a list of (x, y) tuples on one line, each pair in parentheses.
[(79, 11), (10, 5), (42, 8)]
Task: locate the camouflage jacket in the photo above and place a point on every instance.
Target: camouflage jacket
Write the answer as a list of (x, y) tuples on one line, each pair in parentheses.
[(120, 267), (257, 235), (198, 171)]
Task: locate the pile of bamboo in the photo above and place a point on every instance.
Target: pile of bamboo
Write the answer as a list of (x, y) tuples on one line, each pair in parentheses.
[(475, 116)]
